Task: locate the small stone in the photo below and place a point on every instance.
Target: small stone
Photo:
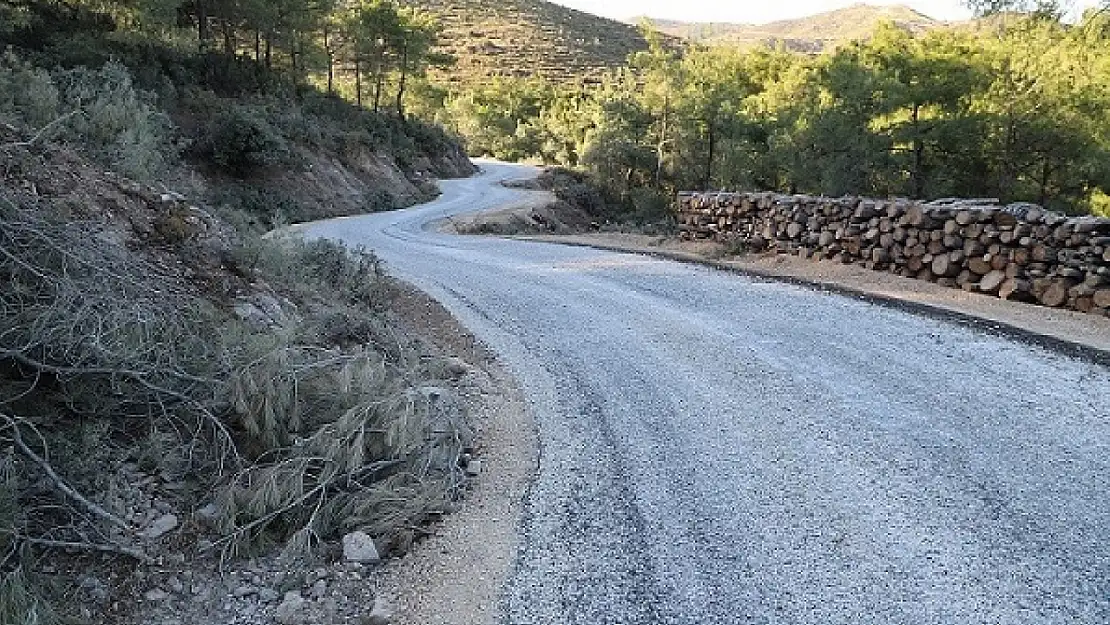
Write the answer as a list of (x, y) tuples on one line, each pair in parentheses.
[(431, 393), (156, 594), (208, 514), (160, 527), (474, 468), (319, 589), (359, 547), (456, 367), (291, 611), (176, 585), (379, 615), (245, 590), (268, 595)]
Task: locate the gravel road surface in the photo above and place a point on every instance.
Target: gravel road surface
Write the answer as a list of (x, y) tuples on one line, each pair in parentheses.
[(717, 449)]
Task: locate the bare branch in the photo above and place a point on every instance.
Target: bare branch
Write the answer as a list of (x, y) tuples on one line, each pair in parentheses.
[(131, 552), (58, 482), (41, 133)]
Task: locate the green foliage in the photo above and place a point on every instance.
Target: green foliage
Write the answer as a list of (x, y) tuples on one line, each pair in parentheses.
[(241, 141), (99, 110), (20, 604), (1018, 112), (257, 208)]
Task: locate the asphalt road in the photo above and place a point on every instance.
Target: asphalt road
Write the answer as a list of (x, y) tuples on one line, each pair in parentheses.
[(719, 450)]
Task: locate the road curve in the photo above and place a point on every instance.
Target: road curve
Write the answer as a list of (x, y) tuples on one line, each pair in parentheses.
[(720, 450)]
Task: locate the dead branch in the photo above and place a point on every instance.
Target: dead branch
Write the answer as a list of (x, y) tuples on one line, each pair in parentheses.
[(41, 133), (131, 552), (55, 479)]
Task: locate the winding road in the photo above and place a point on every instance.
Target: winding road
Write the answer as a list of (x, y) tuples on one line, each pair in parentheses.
[(718, 449)]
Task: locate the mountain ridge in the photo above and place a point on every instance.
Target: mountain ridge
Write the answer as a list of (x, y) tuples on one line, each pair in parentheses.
[(813, 34)]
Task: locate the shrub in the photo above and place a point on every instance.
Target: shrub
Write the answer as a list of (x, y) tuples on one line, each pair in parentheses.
[(259, 208), (28, 96), (241, 141), (119, 122), (649, 206), (99, 111)]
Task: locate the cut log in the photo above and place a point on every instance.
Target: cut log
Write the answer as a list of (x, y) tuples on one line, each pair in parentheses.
[(943, 267), (966, 280), (917, 217), (992, 282), (1056, 294), (1016, 290), (1101, 298), (979, 266)]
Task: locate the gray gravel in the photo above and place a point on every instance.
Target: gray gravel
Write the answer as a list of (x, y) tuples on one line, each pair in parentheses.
[(722, 450)]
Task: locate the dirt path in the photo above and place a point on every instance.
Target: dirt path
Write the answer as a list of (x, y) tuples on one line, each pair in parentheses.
[(1062, 329)]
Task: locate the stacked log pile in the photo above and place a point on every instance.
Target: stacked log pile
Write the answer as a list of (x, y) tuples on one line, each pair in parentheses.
[(1018, 252)]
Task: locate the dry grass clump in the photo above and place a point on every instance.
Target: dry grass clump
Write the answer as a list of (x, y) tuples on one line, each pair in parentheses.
[(389, 460)]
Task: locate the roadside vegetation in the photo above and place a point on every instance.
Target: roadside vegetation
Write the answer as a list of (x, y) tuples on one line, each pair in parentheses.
[(170, 381)]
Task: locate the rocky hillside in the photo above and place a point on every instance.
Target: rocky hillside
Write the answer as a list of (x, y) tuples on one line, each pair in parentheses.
[(522, 38), (812, 34)]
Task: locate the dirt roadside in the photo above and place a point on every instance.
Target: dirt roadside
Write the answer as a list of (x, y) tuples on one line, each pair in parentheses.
[(454, 576), (1073, 332)]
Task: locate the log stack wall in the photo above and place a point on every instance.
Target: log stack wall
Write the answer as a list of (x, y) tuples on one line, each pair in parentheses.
[(1018, 252)]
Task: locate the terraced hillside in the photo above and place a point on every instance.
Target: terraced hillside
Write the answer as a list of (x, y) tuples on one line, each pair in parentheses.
[(519, 38), (813, 34)]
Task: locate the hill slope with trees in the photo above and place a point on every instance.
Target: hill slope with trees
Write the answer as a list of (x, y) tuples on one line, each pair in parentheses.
[(813, 34), (522, 38), (1018, 112)]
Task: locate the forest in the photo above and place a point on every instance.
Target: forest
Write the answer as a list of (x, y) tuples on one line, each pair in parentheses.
[(359, 49), (1014, 106)]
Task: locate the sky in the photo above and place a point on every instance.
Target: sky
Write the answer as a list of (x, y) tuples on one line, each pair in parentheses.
[(748, 12)]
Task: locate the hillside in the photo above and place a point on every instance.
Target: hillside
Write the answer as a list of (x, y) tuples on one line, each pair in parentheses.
[(177, 390), (811, 34), (522, 38)]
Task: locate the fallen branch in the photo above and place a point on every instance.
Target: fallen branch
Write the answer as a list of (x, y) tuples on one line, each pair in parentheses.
[(58, 482), (42, 132), (131, 552)]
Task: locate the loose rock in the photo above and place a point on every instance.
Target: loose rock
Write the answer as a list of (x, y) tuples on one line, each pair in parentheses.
[(359, 547), (160, 527), (291, 611)]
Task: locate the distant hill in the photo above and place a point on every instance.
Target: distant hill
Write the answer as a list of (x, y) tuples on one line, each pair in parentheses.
[(812, 34), (520, 38)]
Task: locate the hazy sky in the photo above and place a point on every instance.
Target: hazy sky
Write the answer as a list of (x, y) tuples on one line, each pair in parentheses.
[(748, 12)]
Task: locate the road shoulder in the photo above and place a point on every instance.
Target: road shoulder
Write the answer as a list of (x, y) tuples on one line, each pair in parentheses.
[(455, 576), (1079, 334)]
